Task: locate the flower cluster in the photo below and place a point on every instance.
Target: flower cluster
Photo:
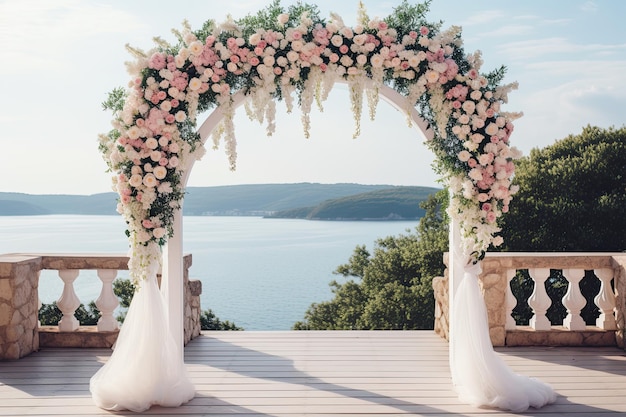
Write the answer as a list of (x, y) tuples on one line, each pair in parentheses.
[(154, 133)]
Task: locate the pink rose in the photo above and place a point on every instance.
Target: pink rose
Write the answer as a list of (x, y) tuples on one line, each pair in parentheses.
[(147, 224), (424, 31)]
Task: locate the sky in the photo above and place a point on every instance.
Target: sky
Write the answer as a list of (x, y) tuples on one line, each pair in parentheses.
[(60, 58)]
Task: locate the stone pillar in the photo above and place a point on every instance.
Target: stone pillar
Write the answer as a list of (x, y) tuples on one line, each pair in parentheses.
[(494, 281), (19, 299), (193, 289), (442, 300)]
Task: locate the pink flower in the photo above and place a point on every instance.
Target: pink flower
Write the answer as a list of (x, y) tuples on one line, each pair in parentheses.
[(157, 61), (147, 224), (472, 163), (344, 49), (486, 206), (413, 34), (254, 61), (424, 31)]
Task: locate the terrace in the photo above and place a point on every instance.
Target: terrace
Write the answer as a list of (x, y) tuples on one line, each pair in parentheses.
[(46, 371)]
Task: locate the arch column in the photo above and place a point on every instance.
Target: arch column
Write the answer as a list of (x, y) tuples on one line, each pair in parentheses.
[(172, 282)]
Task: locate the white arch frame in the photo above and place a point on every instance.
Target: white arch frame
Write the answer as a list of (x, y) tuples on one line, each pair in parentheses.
[(172, 282)]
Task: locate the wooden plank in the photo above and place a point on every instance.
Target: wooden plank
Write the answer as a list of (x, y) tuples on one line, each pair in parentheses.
[(363, 373)]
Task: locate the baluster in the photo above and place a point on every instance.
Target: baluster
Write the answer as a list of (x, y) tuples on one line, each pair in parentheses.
[(68, 302), (605, 300), (107, 302), (539, 300), (511, 301), (573, 299)]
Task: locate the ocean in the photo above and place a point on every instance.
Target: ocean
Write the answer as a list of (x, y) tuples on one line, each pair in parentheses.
[(261, 274)]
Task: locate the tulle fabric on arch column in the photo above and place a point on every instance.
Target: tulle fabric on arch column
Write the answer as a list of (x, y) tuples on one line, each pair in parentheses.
[(145, 368), (480, 376)]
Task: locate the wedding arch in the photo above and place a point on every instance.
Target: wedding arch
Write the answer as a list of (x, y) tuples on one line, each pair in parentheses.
[(272, 56)]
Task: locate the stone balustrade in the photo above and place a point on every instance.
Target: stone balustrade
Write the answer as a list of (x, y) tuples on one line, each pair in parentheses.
[(20, 332), (498, 269)]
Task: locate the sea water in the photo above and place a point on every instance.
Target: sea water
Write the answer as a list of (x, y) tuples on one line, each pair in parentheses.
[(261, 274)]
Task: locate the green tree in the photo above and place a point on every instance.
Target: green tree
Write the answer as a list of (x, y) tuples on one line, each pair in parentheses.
[(572, 195), (50, 315), (391, 288), (209, 321)]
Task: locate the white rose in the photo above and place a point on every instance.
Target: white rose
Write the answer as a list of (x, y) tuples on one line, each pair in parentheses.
[(160, 172), (195, 84), (150, 181), (492, 129), (159, 232), (135, 180), (283, 18), (155, 156), (464, 156), (180, 116)]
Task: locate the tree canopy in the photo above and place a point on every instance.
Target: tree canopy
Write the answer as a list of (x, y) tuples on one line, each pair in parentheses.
[(572, 195)]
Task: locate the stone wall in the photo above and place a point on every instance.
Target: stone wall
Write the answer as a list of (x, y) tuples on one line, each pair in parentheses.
[(193, 310), (19, 281), (20, 333), (442, 302), (493, 282)]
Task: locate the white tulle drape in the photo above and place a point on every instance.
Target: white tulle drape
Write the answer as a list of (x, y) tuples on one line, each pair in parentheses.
[(145, 368), (480, 376)]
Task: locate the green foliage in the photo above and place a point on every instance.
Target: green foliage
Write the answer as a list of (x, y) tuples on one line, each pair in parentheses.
[(209, 321), (391, 288), (407, 17), (50, 315), (572, 195)]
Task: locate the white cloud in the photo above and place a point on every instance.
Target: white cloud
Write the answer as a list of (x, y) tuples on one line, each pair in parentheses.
[(38, 33), (589, 7)]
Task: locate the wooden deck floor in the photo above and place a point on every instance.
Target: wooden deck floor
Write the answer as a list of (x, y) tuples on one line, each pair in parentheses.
[(338, 373)]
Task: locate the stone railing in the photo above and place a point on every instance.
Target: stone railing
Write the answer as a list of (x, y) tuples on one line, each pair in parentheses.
[(20, 332), (498, 269)]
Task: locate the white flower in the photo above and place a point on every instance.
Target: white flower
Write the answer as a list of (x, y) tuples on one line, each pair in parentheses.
[(255, 38), (180, 116), (160, 172), (135, 180), (283, 18), (152, 143), (195, 48), (155, 156), (149, 180), (464, 156), (195, 84), (492, 129), (159, 232)]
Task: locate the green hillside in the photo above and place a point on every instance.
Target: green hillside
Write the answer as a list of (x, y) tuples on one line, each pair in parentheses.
[(397, 203), (244, 200)]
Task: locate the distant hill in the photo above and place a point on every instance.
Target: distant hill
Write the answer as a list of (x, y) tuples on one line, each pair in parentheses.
[(397, 203), (258, 200)]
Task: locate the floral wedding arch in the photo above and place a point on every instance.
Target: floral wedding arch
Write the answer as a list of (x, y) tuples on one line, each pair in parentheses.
[(292, 54)]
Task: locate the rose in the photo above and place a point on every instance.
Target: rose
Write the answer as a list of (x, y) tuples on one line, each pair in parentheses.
[(283, 18), (492, 129), (150, 181), (135, 180), (160, 172), (159, 232)]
